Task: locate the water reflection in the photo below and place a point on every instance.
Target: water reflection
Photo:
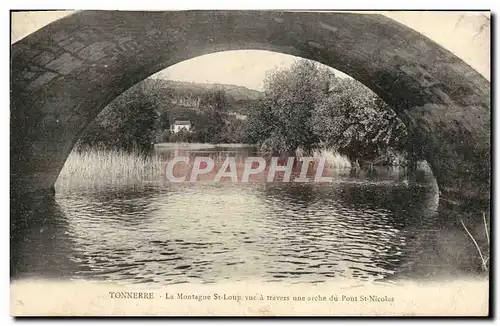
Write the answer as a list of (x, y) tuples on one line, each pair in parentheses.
[(366, 226), (40, 242)]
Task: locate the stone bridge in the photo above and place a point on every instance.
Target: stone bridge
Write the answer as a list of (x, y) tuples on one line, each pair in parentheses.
[(64, 74)]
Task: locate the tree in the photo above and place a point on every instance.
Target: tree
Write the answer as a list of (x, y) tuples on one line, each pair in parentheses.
[(235, 130), (282, 121), (357, 123), (129, 122), (307, 107), (214, 106)]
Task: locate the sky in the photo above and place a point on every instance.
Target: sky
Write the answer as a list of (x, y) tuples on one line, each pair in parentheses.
[(245, 67)]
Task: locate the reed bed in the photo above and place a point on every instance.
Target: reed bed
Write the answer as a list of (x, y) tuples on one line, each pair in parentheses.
[(95, 166), (333, 159)]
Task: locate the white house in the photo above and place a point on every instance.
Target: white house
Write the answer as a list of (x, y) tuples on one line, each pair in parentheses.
[(179, 125)]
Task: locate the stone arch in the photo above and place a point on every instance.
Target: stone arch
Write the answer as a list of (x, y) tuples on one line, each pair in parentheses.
[(64, 74)]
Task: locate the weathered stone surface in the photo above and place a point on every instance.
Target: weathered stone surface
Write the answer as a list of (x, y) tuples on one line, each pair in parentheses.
[(42, 80), (64, 64), (444, 102)]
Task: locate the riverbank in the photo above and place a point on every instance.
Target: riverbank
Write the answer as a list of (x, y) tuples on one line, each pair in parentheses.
[(204, 145), (98, 166)]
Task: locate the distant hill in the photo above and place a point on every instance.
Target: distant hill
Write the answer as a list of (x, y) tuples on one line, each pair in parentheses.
[(235, 93), (186, 94)]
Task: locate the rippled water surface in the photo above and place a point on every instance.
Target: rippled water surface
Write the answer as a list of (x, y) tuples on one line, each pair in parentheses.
[(364, 226)]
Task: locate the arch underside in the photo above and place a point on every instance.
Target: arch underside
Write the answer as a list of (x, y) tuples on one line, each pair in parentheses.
[(64, 74)]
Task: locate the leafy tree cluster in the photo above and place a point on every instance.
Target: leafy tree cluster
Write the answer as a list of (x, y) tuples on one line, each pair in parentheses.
[(128, 122), (308, 107), (357, 123), (142, 116), (305, 106), (214, 123)]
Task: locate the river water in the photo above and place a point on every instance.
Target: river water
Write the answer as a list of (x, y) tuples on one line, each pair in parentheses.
[(373, 226)]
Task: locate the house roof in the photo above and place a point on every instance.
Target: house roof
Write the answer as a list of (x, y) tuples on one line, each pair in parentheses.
[(182, 122)]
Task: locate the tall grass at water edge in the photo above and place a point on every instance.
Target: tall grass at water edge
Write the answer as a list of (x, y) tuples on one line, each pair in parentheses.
[(334, 160), (95, 166)]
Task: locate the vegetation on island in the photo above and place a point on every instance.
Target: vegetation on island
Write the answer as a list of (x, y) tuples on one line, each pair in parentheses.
[(308, 107)]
